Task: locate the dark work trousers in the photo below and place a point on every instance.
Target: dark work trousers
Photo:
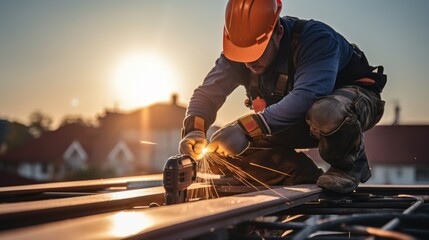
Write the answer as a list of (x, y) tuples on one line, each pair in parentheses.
[(337, 122)]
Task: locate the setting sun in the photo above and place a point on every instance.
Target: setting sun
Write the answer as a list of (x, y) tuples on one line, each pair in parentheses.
[(143, 78)]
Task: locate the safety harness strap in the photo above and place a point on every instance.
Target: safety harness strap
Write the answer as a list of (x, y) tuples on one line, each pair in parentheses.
[(293, 59), (284, 84), (281, 85), (253, 86)]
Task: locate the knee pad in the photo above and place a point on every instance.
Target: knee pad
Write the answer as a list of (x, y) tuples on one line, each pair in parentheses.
[(327, 115)]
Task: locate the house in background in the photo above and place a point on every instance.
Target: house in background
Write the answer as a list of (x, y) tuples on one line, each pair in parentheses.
[(123, 144), (139, 142), (156, 130), (398, 154)]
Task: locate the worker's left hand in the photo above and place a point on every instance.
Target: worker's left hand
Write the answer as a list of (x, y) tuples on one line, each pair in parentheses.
[(235, 138), (230, 140)]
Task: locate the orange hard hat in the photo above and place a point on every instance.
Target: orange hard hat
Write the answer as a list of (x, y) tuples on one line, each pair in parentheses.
[(249, 25)]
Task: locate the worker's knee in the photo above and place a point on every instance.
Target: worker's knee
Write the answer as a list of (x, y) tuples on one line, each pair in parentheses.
[(326, 115)]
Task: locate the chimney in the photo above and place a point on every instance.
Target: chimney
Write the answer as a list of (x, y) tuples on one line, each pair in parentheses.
[(174, 97), (397, 114)]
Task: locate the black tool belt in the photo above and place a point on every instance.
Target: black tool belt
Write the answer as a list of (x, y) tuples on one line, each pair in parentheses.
[(359, 72)]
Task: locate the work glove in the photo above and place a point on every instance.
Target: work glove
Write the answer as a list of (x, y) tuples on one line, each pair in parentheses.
[(235, 138), (230, 140), (193, 144)]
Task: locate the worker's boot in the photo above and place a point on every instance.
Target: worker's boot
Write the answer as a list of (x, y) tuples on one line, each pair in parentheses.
[(337, 121), (346, 180)]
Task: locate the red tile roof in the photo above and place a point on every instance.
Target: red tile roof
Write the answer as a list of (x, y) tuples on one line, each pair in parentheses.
[(51, 146)]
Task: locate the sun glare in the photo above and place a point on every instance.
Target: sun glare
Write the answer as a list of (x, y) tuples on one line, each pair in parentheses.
[(125, 224), (143, 78)]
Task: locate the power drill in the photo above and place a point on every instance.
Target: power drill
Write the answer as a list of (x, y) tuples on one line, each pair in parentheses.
[(180, 171)]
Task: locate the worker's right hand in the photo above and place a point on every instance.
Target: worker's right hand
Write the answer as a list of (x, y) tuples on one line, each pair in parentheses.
[(193, 144)]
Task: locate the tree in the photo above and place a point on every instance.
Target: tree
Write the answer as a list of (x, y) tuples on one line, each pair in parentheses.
[(75, 119), (12, 135), (93, 172), (39, 123)]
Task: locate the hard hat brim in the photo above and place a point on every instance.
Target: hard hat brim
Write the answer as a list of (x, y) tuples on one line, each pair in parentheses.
[(244, 54)]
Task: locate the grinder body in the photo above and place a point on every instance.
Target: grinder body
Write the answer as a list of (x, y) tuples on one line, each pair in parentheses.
[(180, 171)]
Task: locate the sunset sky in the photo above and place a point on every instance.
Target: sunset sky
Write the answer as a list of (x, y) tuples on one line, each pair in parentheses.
[(83, 56)]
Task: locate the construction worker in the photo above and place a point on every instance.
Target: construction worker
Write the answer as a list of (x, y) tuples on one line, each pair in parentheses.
[(308, 86)]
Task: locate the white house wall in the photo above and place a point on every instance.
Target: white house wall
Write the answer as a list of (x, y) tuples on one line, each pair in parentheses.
[(43, 176), (25, 170), (121, 159), (392, 174), (75, 156), (35, 171)]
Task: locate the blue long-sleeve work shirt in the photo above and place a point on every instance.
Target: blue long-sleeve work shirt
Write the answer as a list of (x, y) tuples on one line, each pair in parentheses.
[(321, 54)]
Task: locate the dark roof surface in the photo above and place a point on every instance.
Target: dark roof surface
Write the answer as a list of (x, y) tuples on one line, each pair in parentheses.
[(13, 179)]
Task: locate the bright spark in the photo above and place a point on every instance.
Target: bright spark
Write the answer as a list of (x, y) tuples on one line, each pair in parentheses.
[(205, 150), (203, 153), (206, 176), (239, 174), (270, 169)]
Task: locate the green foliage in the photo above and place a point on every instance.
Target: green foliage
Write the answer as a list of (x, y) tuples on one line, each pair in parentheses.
[(14, 134), (75, 119), (39, 123)]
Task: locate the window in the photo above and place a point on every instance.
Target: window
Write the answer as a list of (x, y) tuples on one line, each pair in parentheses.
[(422, 175), (399, 172), (44, 168)]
